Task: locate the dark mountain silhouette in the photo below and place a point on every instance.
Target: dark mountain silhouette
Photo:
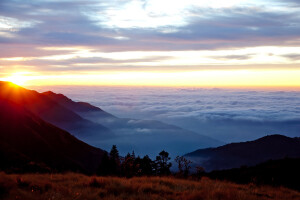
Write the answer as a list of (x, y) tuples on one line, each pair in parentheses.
[(246, 153), (282, 172), (27, 142), (51, 111), (142, 136)]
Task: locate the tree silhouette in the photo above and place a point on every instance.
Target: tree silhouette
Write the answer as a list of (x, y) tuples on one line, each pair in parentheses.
[(146, 166), (187, 167), (162, 163), (130, 167), (179, 161), (183, 165), (114, 160), (114, 154), (105, 165)]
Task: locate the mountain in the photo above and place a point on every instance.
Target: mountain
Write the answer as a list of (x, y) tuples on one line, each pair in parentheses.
[(142, 136), (27, 142), (78, 107), (85, 110), (101, 129), (51, 111), (282, 172), (246, 153)]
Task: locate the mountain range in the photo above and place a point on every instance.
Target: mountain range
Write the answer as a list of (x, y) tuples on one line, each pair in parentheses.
[(51, 111), (49, 131), (281, 172), (142, 136), (249, 153), (101, 129)]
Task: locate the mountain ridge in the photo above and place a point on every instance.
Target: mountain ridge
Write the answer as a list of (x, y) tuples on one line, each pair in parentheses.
[(50, 110), (142, 136), (25, 138), (101, 129), (246, 153)]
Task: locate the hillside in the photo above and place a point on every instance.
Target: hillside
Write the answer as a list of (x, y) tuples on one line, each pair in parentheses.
[(51, 111), (76, 186), (101, 129), (246, 153), (142, 136), (78, 107), (28, 143), (283, 172)]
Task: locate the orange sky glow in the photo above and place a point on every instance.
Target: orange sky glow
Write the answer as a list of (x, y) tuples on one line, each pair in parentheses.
[(204, 78)]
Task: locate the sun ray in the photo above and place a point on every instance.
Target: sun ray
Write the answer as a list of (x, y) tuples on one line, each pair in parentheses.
[(18, 78)]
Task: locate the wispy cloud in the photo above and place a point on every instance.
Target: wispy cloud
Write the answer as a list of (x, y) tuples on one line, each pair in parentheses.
[(293, 56), (29, 28)]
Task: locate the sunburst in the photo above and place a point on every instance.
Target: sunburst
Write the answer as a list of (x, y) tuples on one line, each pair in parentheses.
[(18, 79)]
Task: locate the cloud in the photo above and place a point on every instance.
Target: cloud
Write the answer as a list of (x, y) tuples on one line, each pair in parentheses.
[(220, 27), (233, 57), (27, 27), (293, 56), (143, 130), (204, 104), (226, 114)]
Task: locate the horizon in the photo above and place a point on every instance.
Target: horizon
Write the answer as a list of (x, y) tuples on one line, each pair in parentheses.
[(246, 87), (249, 88)]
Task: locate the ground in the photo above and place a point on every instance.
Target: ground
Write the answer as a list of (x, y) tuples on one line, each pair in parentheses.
[(77, 186)]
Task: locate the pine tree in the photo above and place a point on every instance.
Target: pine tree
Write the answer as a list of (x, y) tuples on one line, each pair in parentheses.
[(114, 160)]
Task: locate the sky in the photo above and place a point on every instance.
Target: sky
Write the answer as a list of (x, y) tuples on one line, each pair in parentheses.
[(207, 43)]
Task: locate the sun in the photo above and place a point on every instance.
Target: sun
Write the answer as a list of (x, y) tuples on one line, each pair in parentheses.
[(18, 79)]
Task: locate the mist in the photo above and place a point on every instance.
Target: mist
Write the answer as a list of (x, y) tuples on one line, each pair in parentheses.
[(227, 115)]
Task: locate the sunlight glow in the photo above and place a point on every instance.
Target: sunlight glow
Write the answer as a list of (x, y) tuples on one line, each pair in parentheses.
[(18, 78), (231, 67), (211, 78)]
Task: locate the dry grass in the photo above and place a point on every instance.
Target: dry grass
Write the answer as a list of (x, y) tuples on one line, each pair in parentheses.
[(77, 186)]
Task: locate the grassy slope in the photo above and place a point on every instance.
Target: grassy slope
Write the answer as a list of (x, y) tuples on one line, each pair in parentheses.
[(78, 186)]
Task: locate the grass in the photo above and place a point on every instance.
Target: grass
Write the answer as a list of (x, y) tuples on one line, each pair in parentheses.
[(77, 186)]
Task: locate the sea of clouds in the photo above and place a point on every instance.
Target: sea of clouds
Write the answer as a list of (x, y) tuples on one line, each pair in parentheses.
[(229, 115)]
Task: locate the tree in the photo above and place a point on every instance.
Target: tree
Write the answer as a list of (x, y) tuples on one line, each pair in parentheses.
[(146, 166), (105, 166), (128, 166), (187, 167), (133, 155), (114, 154), (163, 165), (183, 165), (179, 161), (114, 160)]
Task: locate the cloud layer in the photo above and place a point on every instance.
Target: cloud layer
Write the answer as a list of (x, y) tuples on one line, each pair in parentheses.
[(91, 28), (228, 115)]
